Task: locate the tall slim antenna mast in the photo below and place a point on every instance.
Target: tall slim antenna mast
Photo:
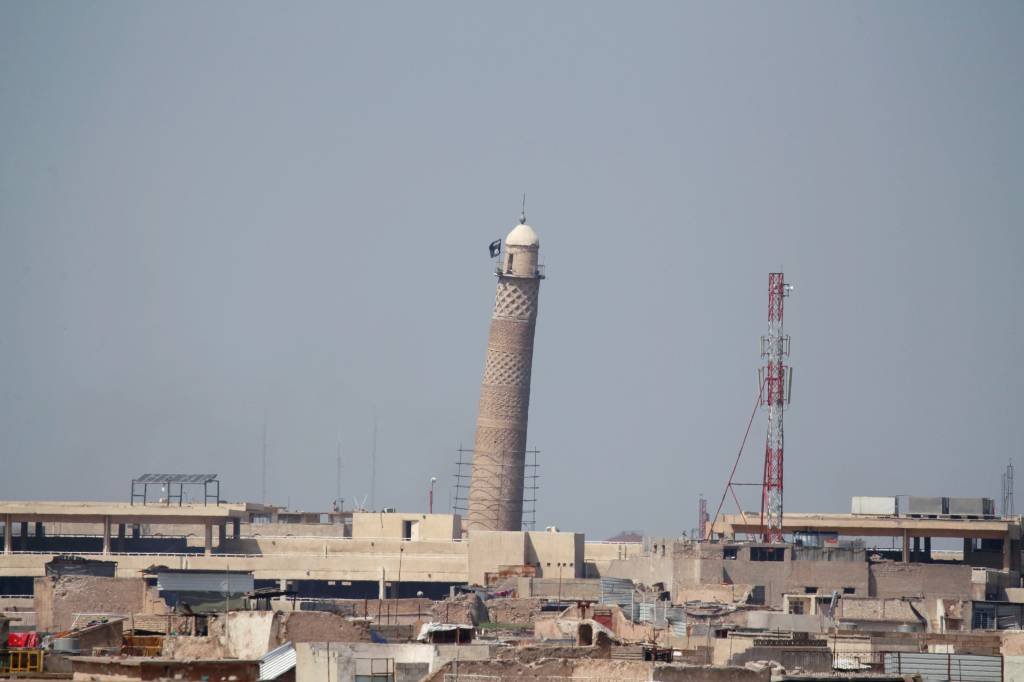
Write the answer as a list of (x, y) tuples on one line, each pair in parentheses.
[(776, 381), (337, 489), (702, 518), (1008, 491), (373, 467), (263, 491)]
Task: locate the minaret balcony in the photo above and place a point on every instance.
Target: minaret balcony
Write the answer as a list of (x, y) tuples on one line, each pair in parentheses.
[(538, 272)]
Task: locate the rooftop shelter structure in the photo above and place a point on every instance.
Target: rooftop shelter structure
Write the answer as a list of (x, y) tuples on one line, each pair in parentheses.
[(211, 487), (1006, 531), (120, 514)]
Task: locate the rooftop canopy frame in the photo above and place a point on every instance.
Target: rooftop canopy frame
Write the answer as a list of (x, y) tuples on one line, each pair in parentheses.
[(211, 487)]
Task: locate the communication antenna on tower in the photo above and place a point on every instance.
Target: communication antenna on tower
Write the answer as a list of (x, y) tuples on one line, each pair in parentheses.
[(776, 381)]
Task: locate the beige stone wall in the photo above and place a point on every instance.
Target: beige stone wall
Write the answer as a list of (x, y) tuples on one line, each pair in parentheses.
[(567, 588), (598, 556), (547, 550), (59, 601), (298, 558), (895, 579), (696, 567), (316, 662), (391, 525), (650, 569), (1012, 643), (490, 549), (871, 608)]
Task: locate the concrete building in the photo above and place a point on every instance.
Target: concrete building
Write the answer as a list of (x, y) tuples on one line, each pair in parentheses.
[(363, 555), (499, 449), (987, 542)]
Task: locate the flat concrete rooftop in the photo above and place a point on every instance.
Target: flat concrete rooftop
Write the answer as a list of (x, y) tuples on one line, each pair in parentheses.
[(874, 526), (119, 512)]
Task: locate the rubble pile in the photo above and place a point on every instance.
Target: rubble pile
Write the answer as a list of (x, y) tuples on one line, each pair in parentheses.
[(513, 611)]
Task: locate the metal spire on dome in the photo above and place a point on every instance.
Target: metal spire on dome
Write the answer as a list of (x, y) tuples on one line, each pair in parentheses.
[(522, 215)]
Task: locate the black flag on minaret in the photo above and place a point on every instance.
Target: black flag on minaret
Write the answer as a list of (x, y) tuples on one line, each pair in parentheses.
[(495, 248)]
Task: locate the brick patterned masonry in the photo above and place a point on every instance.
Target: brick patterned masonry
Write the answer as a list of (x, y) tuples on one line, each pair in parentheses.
[(499, 449)]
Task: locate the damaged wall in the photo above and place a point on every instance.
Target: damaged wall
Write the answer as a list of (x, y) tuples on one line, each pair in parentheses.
[(58, 600)]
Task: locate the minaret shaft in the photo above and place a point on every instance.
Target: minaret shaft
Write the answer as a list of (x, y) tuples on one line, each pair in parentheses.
[(499, 449)]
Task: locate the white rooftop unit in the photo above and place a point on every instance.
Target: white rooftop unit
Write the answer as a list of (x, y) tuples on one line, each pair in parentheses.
[(875, 506)]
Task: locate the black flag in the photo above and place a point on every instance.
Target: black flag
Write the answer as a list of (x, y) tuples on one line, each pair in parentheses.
[(495, 248)]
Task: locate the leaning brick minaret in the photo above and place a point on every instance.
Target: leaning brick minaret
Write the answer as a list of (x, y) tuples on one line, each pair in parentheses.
[(499, 451)]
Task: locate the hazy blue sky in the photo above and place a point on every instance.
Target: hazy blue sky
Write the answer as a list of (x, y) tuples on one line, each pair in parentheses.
[(212, 211)]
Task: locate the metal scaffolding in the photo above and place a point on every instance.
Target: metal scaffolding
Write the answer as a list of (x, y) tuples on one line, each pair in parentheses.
[(464, 474)]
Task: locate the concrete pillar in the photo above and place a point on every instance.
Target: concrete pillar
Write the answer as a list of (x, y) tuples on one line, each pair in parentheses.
[(906, 546), (927, 549), (236, 528), (1007, 554), (222, 533), (40, 530), (23, 544), (7, 534), (208, 544), (382, 589), (282, 584), (106, 535), (915, 555), (120, 537), (136, 531)]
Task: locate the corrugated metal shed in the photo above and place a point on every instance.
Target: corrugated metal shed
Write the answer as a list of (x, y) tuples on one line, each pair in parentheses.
[(617, 591), (201, 581), (277, 662), (946, 667)]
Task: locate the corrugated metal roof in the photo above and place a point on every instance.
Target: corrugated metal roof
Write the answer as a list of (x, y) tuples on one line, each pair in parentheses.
[(944, 667), (277, 662), (176, 478), (233, 583), (616, 591)]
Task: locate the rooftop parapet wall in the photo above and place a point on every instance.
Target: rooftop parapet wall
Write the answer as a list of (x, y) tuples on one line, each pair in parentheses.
[(393, 525), (849, 525), (349, 560), (118, 512), (893, 579), (541, 549), (563, 669)]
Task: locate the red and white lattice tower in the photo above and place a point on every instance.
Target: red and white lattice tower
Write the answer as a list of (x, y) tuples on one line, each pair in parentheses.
[(776, 381)]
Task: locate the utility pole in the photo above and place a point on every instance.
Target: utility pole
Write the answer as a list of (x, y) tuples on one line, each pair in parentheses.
[(263, 492), (373, 466), (337, 487)]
